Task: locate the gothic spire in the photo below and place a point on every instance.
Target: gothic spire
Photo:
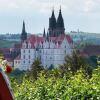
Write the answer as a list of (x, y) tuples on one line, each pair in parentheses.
[(47, 38), (53, 15), (60, 21), (44, 34), (52, 23), (23, 34), (23, 28)]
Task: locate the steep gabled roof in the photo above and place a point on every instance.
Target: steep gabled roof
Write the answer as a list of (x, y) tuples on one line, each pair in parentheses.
[(33, 39), (61, 38)]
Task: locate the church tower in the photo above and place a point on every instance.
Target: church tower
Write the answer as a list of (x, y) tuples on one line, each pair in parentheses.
[(24, 33), (52, 24), (56, 27), (60, 29)]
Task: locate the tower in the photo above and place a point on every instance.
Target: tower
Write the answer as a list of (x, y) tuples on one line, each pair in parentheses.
[(56, 27), (60, 29), (52, 24), (24, 33)]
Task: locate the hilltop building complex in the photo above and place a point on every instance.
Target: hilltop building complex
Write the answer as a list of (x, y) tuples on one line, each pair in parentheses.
[(50, 49)]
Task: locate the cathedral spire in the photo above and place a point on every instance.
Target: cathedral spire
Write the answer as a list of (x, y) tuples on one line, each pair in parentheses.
[(23, 28), (23, 34), (53, 15), (52, 23), (44, 34), (60, 23), (47, 38)]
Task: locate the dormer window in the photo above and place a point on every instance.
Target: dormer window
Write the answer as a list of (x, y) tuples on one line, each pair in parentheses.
[(29, 45)]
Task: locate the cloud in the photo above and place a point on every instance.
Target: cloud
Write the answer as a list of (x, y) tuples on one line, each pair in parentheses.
[(75, 12), (44, 6)]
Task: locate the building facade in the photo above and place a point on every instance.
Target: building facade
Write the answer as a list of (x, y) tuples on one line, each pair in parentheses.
[(50, 49)]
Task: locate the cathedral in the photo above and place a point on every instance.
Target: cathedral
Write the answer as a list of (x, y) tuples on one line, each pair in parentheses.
[(50, 49)]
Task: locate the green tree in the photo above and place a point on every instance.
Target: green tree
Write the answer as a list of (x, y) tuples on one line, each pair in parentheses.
[(74, 62), (36, 68)]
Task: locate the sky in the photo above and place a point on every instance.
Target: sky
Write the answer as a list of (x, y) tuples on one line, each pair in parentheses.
[(78, 14)]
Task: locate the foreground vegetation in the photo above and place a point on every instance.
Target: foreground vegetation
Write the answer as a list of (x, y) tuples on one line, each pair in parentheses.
[(74, 80), (49, 87)]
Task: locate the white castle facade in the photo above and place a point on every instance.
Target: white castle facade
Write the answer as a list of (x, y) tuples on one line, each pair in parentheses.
[(50, 49)]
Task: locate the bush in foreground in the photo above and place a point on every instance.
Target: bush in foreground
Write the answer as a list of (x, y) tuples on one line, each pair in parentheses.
[(77, 87)]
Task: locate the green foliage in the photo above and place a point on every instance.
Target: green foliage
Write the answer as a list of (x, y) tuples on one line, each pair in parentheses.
[(74, 80), (77, 87), (35, 69), (76, 62)]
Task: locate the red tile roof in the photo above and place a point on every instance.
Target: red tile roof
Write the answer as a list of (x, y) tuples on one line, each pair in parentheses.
[(61, 38), (36, 39)]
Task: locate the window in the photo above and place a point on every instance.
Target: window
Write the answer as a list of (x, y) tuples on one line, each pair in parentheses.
[(24, 56), (24, 51), (50, 57), (29, 51), (24, 61), (29, 56)]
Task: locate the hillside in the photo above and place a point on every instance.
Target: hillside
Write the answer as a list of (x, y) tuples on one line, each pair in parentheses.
[(7, 43)]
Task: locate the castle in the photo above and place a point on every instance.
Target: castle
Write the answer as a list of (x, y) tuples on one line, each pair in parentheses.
[(50, 49)]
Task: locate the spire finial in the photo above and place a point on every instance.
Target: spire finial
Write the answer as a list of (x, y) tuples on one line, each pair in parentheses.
[(60, 9), (53, 11), (53, 8)]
